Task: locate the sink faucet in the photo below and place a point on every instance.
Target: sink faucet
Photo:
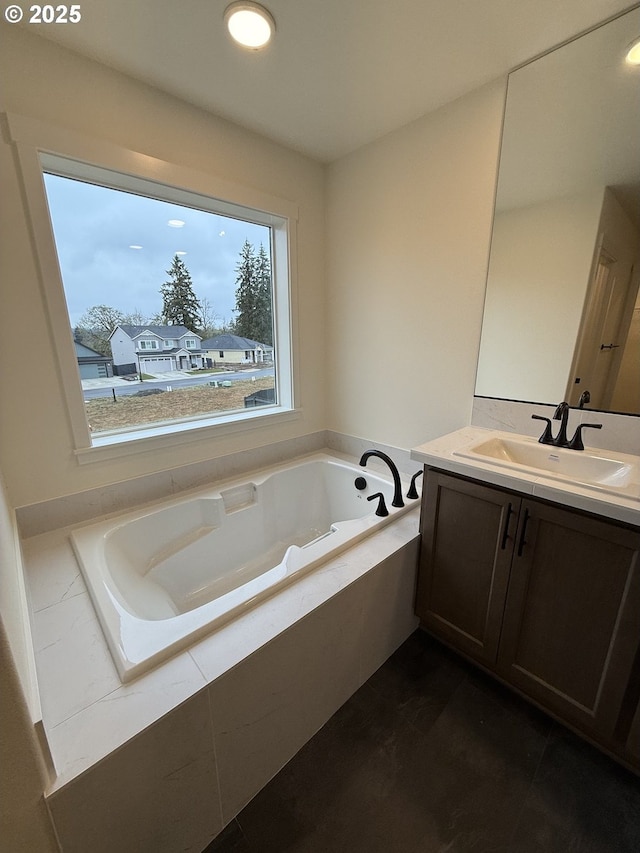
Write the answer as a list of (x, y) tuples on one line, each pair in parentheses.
[(585, 398), (561, 414), (397, 490)]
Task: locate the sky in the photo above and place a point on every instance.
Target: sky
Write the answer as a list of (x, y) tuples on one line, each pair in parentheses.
[(115, 248)]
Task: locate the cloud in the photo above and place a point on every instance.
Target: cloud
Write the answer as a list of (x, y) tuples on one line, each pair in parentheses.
[(95, 228)]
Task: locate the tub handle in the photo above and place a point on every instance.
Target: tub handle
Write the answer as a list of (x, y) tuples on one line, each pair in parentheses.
[(382, 507), (412, 494)]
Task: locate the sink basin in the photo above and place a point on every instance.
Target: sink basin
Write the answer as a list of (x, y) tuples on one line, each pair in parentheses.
[(546, 460)]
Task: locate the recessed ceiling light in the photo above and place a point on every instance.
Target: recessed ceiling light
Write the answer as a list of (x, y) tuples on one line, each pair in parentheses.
[(633, 53), (135, 247), (175, 223), (249, 24)]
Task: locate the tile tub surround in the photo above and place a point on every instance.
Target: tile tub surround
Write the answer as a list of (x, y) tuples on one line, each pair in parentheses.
[(619, 432), (299, 655), (432, 755), (169, 573), (116, 497)]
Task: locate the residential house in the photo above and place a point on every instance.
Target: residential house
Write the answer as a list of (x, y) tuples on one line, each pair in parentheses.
[(236, 349), (155, 349), (92, 364)]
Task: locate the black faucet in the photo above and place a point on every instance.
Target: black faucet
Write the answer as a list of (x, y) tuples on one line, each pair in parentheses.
[(547, 435), (576, 442), (561, 414), (412, 494), (382, 507), (397, 490)]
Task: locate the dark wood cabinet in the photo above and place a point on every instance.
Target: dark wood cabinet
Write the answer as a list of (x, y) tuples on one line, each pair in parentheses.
[(465, 562), (546, 597)]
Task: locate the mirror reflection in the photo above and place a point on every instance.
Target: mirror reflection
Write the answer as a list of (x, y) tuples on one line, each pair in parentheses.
[(562, 310)]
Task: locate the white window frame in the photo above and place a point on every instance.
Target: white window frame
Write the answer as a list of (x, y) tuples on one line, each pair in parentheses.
[(39, 146), (147, 345)]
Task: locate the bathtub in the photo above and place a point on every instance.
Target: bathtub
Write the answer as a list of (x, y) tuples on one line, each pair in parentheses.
[(163, 576)]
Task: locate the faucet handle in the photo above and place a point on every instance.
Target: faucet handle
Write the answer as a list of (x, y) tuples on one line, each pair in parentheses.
[(547, 435), (382, 507), (576, 442), (412, 494)]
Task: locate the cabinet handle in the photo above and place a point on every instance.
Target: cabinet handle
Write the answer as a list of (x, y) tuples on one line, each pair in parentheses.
[(505, 532), (523, 541)]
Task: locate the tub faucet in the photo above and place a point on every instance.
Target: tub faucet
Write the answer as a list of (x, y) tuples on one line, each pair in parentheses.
[(397, 485), (382, 507)]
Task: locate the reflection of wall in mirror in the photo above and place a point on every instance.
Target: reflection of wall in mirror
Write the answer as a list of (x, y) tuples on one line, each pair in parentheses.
[(538, 301), (541, 258)]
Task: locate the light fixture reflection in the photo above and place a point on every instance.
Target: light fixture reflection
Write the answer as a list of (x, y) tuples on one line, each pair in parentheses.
[(633, 53), (249, 24)]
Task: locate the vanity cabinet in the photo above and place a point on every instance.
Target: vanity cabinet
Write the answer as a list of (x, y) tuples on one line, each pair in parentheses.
[(546, 597)]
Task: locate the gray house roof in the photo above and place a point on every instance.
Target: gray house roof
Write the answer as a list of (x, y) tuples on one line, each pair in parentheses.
[(85, 354), (165, 332), (233, 342)]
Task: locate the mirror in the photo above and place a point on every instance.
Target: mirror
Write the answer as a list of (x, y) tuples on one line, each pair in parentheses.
[(562, 310)]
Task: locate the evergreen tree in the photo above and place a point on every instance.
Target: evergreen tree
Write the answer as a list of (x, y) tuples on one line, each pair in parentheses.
[(253, 295), (264, 313), (180, 306), (246, 303)]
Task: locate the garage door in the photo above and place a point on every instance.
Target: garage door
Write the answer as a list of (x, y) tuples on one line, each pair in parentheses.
[(156, 365)]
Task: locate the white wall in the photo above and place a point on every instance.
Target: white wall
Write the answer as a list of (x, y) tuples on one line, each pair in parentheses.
[(541, 259), (409, 222), (51, 84), (24, 820)]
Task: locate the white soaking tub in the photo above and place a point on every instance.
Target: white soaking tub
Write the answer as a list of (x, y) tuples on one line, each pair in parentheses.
[(165, 575)]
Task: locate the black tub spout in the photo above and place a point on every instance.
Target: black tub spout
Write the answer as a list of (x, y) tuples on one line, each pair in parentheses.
[(397, 485)]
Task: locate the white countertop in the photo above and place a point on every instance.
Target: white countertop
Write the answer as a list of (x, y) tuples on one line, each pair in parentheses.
[(442, 453)]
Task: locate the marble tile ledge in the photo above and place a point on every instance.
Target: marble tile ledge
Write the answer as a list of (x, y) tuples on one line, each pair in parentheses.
[(88, 713)]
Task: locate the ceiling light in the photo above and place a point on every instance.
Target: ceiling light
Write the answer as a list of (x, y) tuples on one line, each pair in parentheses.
[(175, 223), (633, 53), (250, 24)]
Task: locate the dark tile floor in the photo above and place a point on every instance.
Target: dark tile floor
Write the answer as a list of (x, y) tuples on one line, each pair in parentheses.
[(431, 755)]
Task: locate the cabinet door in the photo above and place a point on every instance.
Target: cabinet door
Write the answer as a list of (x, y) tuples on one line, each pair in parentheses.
[(571, 622), (467, 531)]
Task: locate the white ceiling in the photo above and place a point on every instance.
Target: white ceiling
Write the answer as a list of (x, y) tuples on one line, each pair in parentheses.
[(340, 73)]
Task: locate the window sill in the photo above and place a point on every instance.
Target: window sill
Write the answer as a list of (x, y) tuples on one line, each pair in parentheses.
[(165, 436)]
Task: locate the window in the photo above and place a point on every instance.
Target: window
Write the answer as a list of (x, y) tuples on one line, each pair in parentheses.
[(134, 254)]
